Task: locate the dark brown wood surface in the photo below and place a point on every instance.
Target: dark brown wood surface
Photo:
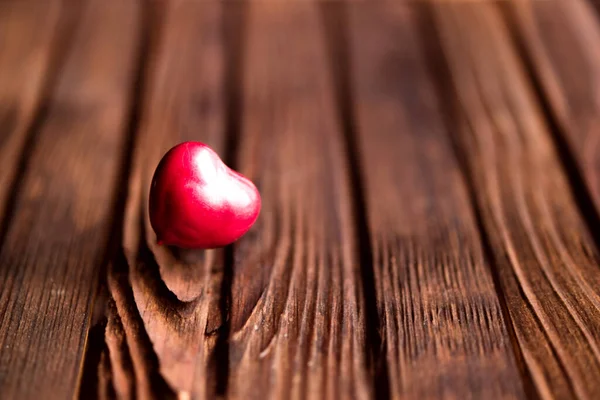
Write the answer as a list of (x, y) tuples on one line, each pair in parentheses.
[(546, 258), (441, 316), (165, 309), (566, 68), (31, 40), (56, 233), (430, 199), (297, 314)]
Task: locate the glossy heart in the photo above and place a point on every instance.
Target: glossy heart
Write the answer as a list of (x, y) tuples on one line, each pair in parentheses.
[(197, 202)]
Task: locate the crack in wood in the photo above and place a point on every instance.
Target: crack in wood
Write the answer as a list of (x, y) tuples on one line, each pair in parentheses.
[(335, 23), (442, 79)]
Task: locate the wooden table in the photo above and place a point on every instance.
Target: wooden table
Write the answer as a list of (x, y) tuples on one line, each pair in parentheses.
[(430, 177)]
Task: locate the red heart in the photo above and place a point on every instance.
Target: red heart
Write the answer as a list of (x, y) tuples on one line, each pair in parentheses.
[(196, 201)]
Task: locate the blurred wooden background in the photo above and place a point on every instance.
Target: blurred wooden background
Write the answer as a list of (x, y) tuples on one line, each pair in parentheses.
[(430, 175)]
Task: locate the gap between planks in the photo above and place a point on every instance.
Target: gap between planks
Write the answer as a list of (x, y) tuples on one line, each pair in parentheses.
[(102, 311), (70, 253), (548, 269)]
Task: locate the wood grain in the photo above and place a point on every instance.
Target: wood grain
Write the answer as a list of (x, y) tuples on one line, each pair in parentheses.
[(297, 315), (165, 317), (421, 236), (31, 39), (567, 68), (165, 306), (55, 243), (546, 260), (445, 336)]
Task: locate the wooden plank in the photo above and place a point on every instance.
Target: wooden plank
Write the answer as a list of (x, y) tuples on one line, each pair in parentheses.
[(31, 37), (547, 261), (445, 335), (58, 232), (165, 312), (567, 65), (297, 311)]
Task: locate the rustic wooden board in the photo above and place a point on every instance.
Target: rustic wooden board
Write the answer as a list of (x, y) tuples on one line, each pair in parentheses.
[(377, 268), (297, 313), (560, 40), (56, 239), (546, 259), (295, 323), (165, 311), (32, 40), (445, 335)]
